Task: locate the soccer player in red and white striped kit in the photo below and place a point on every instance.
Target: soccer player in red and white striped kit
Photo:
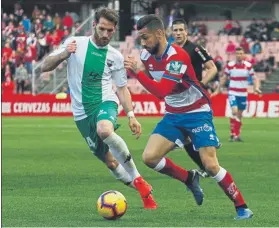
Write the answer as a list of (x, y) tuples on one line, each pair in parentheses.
[(238, 72), (168, 74)]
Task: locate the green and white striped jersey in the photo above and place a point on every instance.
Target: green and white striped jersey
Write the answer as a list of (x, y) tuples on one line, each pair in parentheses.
[(90, 71)]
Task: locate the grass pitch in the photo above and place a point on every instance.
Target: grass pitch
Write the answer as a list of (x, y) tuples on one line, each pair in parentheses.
[(50, 178)]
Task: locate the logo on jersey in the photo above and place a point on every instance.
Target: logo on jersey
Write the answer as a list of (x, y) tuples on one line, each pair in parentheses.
[(175, 67), (93, 76), (95, 53), (109, 63), (200, 53)]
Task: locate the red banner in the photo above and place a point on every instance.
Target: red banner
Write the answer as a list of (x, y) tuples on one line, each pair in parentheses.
[(40, 105), (144, 105)]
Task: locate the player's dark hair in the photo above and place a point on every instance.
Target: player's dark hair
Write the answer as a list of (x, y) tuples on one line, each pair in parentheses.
[(180, 21), (239, 49), (151, 22), (109, 14)]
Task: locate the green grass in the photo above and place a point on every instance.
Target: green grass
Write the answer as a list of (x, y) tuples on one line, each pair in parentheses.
[(49, 178)]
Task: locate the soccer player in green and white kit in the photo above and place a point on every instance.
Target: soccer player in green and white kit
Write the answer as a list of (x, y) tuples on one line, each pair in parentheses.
[(92, 65)]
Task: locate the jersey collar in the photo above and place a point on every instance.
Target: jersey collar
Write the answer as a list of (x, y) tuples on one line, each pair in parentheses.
[(239, 63), (164, 54), (186, 43), (95, 45)]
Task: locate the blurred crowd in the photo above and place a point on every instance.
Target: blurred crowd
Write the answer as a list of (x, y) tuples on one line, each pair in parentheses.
[(26, 39)]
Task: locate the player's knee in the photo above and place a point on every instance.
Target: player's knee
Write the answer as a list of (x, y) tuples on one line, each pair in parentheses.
[(209, 160), (212, 168), (234, 113), (104, 130), (149, 160), (239, 115)]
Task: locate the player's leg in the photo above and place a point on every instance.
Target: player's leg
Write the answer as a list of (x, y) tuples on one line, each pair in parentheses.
[(225, 181), (106, 123), (233, 118), (189, 148), (241, 104), (163, 139), (102, 153), (206, 141), (117, 169)]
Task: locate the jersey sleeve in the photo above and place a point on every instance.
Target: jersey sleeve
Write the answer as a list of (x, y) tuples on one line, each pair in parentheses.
[(62, 47), (119, 74), (203, 54), (175, 69)]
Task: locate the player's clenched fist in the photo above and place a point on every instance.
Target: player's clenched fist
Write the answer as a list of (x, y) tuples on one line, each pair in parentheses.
[(131, 65), (72, 47)]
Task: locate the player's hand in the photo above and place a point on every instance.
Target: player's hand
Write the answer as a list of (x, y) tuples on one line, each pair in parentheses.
[(71, 47), (135, 126), (257, 91), (131, 65)]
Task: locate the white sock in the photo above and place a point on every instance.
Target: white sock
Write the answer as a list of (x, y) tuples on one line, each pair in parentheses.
[(160, 165), (121, 152), (238, 120), (121, 174), (220, 175)]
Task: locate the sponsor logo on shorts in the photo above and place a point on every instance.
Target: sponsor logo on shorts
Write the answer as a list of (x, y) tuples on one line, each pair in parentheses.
[(90, 143), (102, 112), (205, 127)]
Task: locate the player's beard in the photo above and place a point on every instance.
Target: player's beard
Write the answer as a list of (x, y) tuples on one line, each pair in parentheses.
[(100, 41), (155, 49)]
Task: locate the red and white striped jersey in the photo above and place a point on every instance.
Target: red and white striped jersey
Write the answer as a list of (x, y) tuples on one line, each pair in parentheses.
[(175, 65), (238, 76)]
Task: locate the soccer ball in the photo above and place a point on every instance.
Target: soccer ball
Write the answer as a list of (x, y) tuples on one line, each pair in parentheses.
[(111, 205)]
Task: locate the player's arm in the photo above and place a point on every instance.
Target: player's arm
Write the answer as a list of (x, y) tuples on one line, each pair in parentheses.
[(206, 59), (222, 82), (167, 83), (211, 71), (58, 56), (256, 82), (120, 78), (125, 99)]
